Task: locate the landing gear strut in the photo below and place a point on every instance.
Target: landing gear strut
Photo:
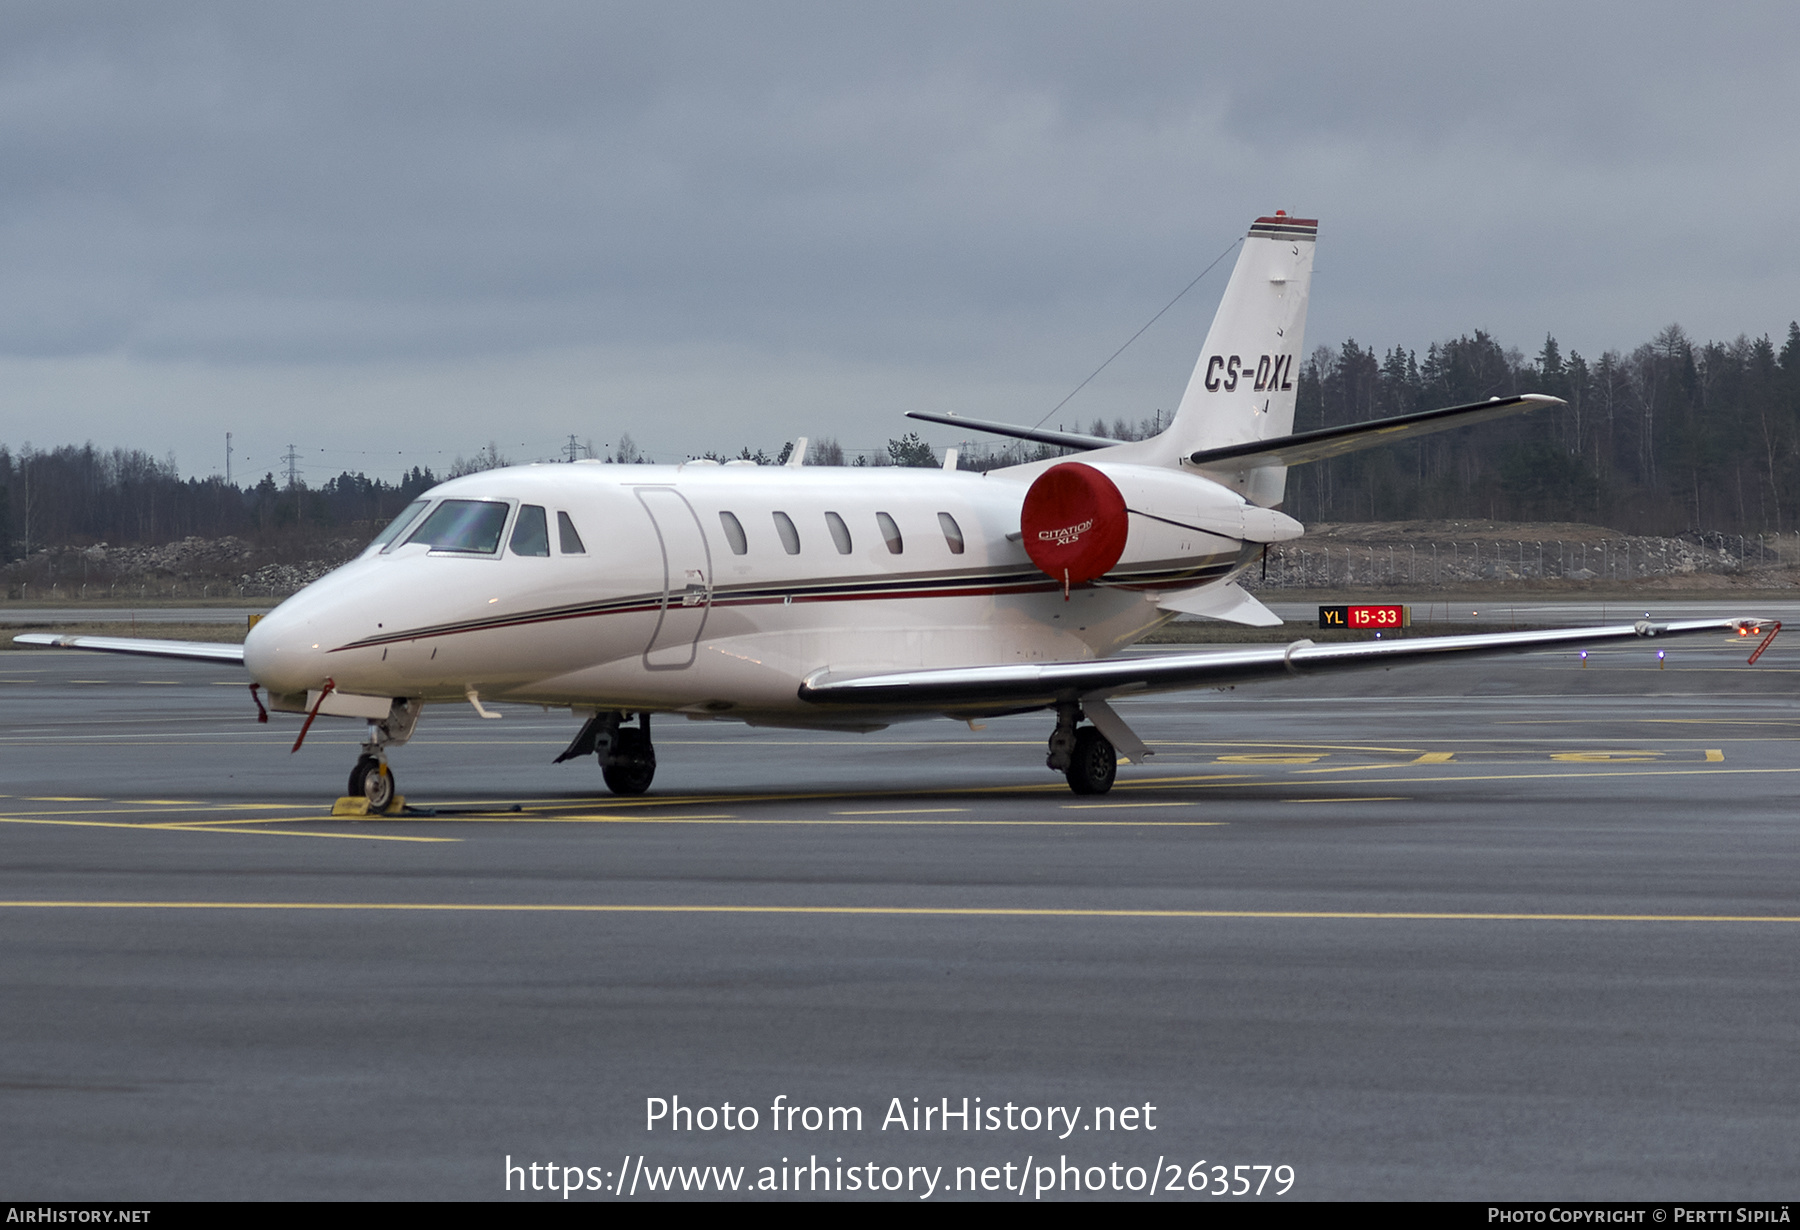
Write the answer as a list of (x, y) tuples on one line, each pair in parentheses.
[(627, 757), (371, 778), (1081, 753)]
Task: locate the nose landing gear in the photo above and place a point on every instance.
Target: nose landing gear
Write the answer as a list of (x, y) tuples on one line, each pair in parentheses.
[(371, 779)]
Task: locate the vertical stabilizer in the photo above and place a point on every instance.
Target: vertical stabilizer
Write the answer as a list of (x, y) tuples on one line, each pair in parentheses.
[(1242, 389)]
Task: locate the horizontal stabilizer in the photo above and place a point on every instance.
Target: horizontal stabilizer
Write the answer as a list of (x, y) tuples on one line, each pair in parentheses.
[(1226, 602), (192, 651), (1038, 435), (1308, 446)]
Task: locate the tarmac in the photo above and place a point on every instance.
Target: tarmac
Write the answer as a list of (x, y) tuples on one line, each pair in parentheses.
[(1514, 929)]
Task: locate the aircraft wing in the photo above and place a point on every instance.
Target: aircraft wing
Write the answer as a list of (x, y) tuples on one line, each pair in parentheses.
[(1034, 685), (193, 651)]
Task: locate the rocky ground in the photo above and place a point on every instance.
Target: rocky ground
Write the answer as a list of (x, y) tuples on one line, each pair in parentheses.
[(1477, 556), (190, 568)]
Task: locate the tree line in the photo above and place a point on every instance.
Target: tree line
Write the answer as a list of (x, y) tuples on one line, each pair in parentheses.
[(1671, 437), (78, 495)]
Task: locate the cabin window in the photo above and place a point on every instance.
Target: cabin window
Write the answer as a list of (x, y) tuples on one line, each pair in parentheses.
[(790, 537), (399, 524), (890, 533), (734, 534), (531, 532), (571, 541), (471, 526), (952, 533), (840, 533)]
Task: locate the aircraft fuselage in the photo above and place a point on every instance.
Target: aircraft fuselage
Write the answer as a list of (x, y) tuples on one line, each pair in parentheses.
[(682, 590)]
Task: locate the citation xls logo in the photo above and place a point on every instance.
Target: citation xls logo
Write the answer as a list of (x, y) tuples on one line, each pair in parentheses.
[(1068, 535), (1273, 371)]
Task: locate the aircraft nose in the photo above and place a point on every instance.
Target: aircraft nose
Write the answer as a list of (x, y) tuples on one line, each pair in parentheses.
[(283, 652)]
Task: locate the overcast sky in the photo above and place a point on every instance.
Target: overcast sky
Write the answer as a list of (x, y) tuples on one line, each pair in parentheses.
[(390, 233)]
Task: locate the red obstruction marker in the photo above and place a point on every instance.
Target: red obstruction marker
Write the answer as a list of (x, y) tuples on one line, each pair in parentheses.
[(1767, 641), (1074, 523)]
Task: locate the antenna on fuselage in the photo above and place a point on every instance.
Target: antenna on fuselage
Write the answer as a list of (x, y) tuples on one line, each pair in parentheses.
[(797, 458)]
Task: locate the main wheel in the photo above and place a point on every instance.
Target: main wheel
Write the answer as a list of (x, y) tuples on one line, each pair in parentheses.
[(632, 765), (371, 779), (1094, 763)]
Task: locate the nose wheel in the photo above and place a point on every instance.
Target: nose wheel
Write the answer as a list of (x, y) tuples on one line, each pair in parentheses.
[(372, 780)]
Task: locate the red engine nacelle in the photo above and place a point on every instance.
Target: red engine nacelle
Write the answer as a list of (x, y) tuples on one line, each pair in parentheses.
[(1074, 522), (1078, 520)]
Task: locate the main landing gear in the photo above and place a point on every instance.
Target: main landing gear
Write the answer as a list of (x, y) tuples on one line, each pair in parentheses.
[(627, 757), (1082, 754), (371, 778)]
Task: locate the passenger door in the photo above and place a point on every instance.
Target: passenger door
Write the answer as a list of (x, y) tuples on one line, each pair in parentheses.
[(687, 579)]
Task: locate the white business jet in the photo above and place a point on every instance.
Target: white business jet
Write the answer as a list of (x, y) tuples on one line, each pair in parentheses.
[(847, 599)]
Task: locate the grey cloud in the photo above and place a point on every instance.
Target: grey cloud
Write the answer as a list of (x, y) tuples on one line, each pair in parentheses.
[(934, 189)]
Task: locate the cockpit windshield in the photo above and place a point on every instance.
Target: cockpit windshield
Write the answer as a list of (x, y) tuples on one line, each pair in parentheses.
[(399, 524), (473, 526)]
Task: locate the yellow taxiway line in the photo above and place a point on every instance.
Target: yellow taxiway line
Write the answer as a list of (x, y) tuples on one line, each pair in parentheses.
[(1473, 777), (650, 811), (899, 811), (225, 826)]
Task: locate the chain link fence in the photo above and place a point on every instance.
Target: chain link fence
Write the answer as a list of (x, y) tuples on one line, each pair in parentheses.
[(1452, 563)]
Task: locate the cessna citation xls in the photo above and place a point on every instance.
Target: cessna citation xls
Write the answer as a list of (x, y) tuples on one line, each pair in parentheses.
[(847, 599)]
